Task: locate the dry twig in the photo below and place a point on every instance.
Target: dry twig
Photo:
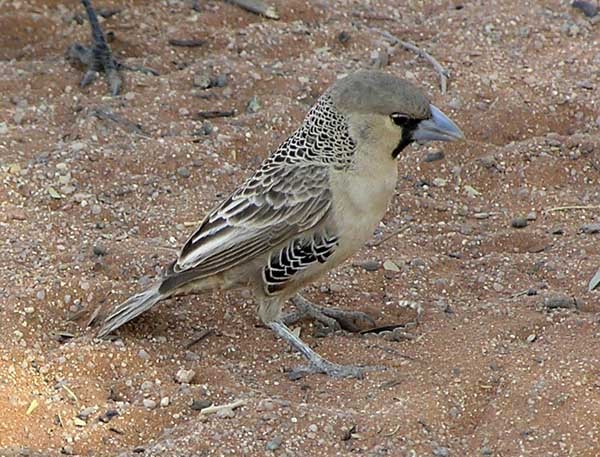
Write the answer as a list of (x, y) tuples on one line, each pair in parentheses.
[(199, 337), (217, 408), (440, 70), (572, 207)]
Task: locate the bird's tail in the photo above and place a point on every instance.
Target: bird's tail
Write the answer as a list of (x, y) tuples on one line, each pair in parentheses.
[(131, 308)]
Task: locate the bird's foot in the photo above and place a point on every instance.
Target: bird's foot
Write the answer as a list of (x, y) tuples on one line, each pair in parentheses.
[(316, 363), (99, 58), (333, 318)]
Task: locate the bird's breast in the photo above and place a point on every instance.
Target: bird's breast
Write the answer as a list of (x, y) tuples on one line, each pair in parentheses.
[(360, 200)]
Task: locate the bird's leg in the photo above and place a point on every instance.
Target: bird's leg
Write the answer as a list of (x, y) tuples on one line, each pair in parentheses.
[(317, 364), (99, 58), (333, 318)]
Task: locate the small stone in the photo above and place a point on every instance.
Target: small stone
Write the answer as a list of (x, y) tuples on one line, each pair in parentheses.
[(40, 295), (184, 172), (343, 37), (147, 385), (486, 451), (67, 450), (78, 146), (439, 182), (99, 250), (206, 129), (390, 266), (78, 422), (87, 412), (313, 428), (149, 403), (559, 301), (184, 376), (29, 309), (202, 81), (336, 288), (164, 402), (441, 452), (587, 7), (219, 81), (3, 128), (198, 405), (488, 161), (369, 265), (591, 229), (434, 156), (557, 231), (532, 216), (96, 209), (129, 96), (142, 354), (519, 222), (531, 338), (274, 444), (253, 106)]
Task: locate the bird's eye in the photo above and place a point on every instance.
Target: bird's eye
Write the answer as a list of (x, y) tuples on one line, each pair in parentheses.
[(400, 119)]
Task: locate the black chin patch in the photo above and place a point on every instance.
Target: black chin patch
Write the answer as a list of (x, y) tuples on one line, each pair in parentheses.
[(406, 139)]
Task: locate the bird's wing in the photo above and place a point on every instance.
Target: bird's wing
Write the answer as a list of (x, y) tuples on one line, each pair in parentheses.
[(280, 201)]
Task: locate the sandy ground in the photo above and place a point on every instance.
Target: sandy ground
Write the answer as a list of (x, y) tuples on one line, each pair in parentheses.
[(505, 361)]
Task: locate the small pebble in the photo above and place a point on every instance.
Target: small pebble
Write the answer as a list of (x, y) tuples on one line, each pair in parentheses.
[(343, 37), (202, 81), (184, 376), (149, 403), (519, 222), (441, 452), (87, 412), (274, 444), (532, 216), (184, 172), (99, 250), (591, 229), (587, 7), (253, 106), (434, 156), (559, 301), (164, 402), (219, 81), (198, 405), (369, 265), (531, 338)]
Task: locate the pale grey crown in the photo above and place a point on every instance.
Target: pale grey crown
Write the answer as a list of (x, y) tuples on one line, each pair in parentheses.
[(374, 92)]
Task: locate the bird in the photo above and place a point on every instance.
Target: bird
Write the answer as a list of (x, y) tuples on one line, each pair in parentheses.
[(311, 204)]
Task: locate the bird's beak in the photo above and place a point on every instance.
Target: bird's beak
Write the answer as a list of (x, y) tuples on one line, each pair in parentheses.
[(438, 128)]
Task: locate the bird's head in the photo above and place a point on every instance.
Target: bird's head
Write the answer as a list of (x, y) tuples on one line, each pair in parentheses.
[(389, 112)]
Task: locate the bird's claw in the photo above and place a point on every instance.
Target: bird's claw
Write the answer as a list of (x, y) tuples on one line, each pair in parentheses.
[(333, 318)]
